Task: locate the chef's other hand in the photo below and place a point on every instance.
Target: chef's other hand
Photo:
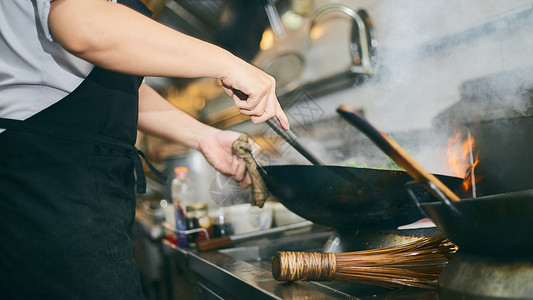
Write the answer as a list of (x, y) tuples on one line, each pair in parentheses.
[(262, 103), (216, 149)]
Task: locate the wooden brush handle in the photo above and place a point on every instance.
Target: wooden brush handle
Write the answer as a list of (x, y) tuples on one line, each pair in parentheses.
[(316, 266)]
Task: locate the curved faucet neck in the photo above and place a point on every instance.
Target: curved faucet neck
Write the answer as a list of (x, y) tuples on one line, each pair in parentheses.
[(360, 63)]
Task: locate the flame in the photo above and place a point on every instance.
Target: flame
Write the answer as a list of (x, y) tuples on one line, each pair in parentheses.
[(472, 177), (457, 159), (463, 162)]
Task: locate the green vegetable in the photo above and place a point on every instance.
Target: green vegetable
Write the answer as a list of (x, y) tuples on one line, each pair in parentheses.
[(356, 165), (391, 165)]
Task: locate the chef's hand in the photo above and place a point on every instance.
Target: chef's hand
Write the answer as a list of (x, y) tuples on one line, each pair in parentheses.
[(216, 148), (262, 103)]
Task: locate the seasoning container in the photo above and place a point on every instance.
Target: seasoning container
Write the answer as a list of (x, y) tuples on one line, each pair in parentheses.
[(197, 217), (221, 225)]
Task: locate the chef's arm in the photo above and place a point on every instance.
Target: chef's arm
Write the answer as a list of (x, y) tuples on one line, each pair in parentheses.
[(115, 37), (160, 118)]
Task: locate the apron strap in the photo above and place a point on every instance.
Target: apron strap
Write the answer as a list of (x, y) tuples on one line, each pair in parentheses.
[(88, 138)]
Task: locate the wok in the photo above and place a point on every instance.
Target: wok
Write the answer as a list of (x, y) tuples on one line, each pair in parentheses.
[(347, 197), (495, 225)]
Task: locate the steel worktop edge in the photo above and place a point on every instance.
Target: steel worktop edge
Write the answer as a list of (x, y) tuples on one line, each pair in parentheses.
[(238, 279)]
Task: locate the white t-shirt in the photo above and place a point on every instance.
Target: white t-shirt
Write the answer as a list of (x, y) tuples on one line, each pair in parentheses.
[(35, 71)]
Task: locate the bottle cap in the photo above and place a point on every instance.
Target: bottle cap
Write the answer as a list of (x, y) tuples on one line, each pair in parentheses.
[(180, 170)]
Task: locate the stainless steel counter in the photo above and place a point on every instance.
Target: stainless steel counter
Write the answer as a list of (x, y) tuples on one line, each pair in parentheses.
[(244, 272)]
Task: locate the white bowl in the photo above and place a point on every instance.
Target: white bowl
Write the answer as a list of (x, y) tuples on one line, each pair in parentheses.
[(246, 218)]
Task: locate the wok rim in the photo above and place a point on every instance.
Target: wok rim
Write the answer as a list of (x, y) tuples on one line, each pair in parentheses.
[(525, 194)]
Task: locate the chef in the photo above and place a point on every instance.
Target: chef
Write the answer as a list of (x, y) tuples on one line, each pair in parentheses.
[(71, 101)]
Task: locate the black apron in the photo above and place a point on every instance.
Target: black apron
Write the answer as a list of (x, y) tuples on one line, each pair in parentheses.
[(67, 199)]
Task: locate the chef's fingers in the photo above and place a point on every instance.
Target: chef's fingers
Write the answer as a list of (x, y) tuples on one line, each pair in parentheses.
[(256, 105), (276, 112), (259, 106), (240, 169), (246, 182)]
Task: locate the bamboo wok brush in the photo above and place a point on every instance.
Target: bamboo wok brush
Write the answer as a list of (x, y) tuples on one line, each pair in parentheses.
[(415, 264)]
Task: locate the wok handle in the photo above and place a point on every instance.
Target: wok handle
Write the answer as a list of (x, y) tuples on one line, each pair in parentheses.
[(290, 138), (441, 197), (396, 153), (287, 135)]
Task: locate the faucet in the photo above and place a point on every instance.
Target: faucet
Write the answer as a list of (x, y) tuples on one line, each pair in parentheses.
[(363, 42)]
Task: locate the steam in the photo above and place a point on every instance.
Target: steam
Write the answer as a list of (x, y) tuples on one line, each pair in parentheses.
[(435, 54), (429, 50), (432, 56)]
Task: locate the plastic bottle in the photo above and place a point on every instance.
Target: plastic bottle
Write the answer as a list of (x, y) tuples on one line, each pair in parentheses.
[(182, 192)]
